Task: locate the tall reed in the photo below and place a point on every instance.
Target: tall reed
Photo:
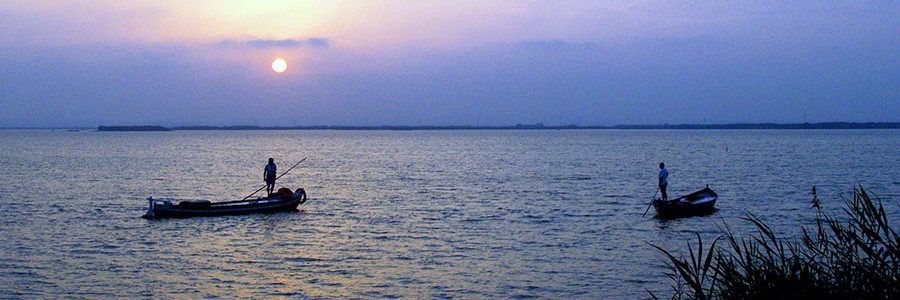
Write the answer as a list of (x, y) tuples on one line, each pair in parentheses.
[(854, 258)]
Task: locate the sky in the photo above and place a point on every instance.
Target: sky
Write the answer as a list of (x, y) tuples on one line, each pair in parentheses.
[(425, 62)]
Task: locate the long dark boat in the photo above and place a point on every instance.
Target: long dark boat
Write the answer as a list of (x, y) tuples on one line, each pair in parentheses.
[(281, 201), (701, 202)]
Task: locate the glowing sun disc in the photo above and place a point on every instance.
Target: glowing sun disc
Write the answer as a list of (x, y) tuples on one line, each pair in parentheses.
[(279, 65)]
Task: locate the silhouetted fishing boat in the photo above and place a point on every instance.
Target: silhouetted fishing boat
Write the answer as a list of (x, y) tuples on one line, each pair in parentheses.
[(697, 203), (281, 201)]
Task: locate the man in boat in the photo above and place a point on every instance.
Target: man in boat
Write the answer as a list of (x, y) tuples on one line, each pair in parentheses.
[(663, 180), (269, 176)]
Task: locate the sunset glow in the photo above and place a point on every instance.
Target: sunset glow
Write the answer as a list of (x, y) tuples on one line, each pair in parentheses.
[(279, 65), (448, 62)]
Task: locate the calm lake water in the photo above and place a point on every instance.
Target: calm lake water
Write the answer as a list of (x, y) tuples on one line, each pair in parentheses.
[(402, 214)]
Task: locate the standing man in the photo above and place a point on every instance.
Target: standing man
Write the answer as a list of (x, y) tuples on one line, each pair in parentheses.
[(663, 180), (269, 176)]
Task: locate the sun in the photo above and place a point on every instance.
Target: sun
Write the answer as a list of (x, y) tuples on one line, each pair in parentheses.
[(279, 65)]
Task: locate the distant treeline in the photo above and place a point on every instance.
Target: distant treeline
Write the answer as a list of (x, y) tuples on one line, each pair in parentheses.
[(829, 125), (133, 128), (539, 126)]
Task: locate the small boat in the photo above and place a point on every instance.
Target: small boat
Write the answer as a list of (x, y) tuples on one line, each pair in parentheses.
[(701, 202), (283, 200)]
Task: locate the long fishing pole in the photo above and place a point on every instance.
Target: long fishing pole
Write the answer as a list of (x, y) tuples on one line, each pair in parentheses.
[(651, 202), (276, 178)]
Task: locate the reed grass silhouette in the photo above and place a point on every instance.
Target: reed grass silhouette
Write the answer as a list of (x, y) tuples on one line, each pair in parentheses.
[(857, 257)]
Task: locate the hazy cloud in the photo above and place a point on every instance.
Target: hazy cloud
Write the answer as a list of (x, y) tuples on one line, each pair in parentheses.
[(321, 43), (567, 63), (554, 45)]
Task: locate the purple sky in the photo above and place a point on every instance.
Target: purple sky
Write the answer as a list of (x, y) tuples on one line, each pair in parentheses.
[(89, 63)]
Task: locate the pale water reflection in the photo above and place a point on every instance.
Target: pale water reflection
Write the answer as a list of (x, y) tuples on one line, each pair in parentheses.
[(420, 214)]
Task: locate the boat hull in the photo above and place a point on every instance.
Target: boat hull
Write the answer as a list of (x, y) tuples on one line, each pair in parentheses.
[(167, 209), (698, 203)]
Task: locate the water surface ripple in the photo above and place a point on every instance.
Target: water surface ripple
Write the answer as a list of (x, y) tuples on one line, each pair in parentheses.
[(401, 214)]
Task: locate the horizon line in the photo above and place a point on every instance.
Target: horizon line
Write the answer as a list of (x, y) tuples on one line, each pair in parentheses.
[(759, 125), (536, 126)]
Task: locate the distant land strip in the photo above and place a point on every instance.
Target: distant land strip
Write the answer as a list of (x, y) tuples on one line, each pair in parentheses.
[(539, 126), (133, 128)]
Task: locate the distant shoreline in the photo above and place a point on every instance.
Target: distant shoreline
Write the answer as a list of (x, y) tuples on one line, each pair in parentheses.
[(539, 126)]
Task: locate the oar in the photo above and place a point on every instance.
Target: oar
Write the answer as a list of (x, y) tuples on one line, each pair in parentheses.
[(651, 202), (279, 176)]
